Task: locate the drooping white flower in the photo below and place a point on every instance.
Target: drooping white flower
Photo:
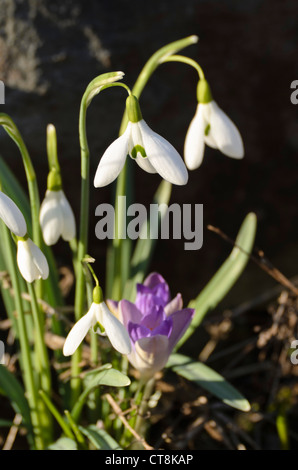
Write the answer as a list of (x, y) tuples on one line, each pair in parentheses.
[(12, 216), (210, 126), (31, 261), (56, 217), (98, 313), (152, 152)]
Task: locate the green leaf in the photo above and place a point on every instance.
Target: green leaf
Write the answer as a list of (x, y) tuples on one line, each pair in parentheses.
[(5, 423), (103, 376), (63, 443), (13, 390), (225, 278), (145, 246), (106, 376), (100, 438), (209, 379)]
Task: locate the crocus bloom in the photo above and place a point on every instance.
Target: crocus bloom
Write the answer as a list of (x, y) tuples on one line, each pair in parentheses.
[(210, 126), (56, 218), (12, 216), (98, 313), (152, 152), (155, 324), (31, 261)]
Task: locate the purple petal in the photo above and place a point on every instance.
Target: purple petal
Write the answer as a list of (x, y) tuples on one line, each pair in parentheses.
[(158, 286), (181, 321), (174, 305), (154, 317), (128, 312), (146, 302), (165, 328), (137, 332)]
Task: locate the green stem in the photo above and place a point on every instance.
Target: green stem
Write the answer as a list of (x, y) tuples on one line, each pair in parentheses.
[(186, 60), (82, 244), (140, 424), (79, 436), (64, 426), (14, 133), (28, 376), (42, 363), (103, 81), (41, 349)]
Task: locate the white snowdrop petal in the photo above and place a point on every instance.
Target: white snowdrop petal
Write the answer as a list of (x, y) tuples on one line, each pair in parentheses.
[(145, 164), (25, 262), (115, 330), (69, 223), (112, 161), (163, 156), (136, 141), (209, 140), (39, 259), (225, 133), (50, 217), (194, 145), (78, 332), (12, 216)]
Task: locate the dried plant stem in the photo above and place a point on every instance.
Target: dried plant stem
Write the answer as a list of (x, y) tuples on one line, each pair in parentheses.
[(120, 415)]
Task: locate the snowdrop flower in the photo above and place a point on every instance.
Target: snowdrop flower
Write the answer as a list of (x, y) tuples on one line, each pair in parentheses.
[(210, 126), (56, 217), (12, 216), (98, 313), (31, 261), (152, 152), (155, 323)]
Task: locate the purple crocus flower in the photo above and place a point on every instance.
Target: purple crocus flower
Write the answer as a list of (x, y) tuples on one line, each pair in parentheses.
[(155, 324)]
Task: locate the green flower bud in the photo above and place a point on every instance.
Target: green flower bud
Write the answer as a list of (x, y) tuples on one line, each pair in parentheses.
[(54, 182), (133, 109), (97, 295), (204, 94)]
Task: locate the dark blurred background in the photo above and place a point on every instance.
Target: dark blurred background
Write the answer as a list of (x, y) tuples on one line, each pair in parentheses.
[(50, 50)]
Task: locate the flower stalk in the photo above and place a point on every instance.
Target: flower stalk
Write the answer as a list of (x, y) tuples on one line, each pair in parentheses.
[(119, 253)]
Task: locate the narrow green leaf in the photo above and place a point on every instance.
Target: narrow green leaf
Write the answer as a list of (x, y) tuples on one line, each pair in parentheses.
[(13, 390), (207, 378), (103, 376), (5, 423), (100, 438), (63, 443), (227, 275), (144, 248)]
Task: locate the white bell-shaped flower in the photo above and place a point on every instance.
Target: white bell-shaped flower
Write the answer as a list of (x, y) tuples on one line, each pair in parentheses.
[(152, 152), (56, 218), (31, 261), (12, 216), (210, 126), (98, 313)]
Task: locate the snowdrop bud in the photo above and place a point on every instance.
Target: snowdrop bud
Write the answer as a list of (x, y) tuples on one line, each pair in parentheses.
[(12, 216), (31, 261), (56, 217)]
